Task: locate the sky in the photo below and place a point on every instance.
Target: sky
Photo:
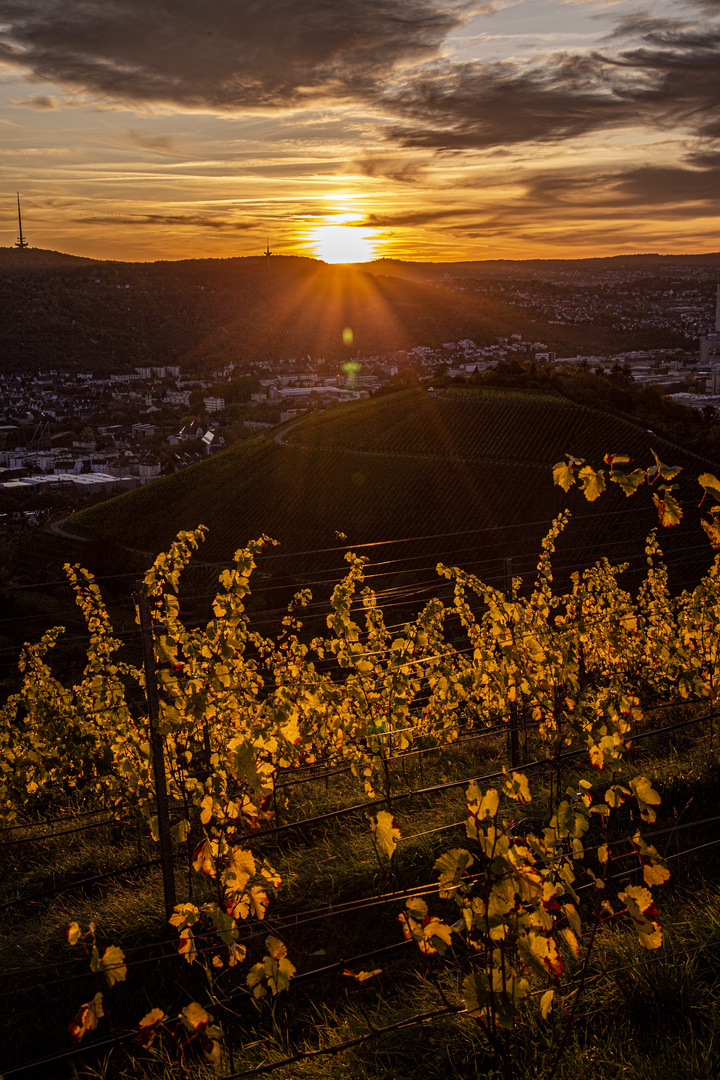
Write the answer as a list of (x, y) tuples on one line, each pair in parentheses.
[(347, 130)]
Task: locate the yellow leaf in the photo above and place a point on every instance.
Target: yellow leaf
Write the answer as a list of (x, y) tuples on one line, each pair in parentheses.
[(259, 901), (73, 933), (112, 963), (563, 475), (185, 915), (362, 976), (237, 954), (516, 787), (572, 917), (149, 1026), (546, 1003), (571, 941), (655, 873), (241, 868), (276, 948), (195, 1017), (592, 483), (386, 832), (186, 946), (212, 1053), (87, 1018), (710, 483)]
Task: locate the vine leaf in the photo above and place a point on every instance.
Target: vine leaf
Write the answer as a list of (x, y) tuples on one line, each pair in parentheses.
[(87, 1018), (275, 970), (668, 508), (592, 483), (111, 964), (546, 1003), (711, 483), (629, 482), (362, 976), (386, 832), (452, 866), (194, 1017), (74, 933), (149, 1027), (516, 787), (186, 945), (646, 797), (712, 527), (641, 909), (667, 472)]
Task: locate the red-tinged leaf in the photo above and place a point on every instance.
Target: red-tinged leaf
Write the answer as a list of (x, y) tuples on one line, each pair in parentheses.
[(203, 858), (87, 1018), (186, 945), (712, 528), (669, 512), (74, 933), (149, 1027), (195, 1018), (621, 459), (666, 472), (385, 831)]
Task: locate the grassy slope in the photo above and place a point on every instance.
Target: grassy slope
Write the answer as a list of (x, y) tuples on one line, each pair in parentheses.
[(406, 465)]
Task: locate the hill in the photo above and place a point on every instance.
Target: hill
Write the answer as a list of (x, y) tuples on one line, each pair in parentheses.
[(63, 312), (538, 267), (466, 473)]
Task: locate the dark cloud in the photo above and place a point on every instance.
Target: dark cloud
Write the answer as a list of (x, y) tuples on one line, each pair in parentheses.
[(245, 55), (658, 186), (225, 54), (666, 74), (168, 219), (473, 106)]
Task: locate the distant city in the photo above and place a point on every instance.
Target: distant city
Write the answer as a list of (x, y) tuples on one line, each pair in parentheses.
[(69, 436)]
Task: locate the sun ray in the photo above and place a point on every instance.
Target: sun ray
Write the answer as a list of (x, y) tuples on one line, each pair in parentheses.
[(343, 243)]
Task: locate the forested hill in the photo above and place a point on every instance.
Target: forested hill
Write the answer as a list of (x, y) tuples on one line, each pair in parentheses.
[(540, 267), (59, 311)]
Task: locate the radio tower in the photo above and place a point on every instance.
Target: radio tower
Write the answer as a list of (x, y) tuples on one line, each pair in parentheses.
[(21, 241)]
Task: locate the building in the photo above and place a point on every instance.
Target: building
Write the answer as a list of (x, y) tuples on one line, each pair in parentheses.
[(709, 351)]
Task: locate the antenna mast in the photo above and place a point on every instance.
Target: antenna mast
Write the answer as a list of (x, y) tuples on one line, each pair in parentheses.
[(21, 241)]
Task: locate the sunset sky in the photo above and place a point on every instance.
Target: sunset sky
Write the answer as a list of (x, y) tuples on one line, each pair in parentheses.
[(353, 129)]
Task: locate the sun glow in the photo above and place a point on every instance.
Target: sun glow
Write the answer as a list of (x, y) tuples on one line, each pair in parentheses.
[(343, 243)]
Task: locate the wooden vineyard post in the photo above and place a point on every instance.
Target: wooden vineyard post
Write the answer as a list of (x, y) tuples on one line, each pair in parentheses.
[(158, 753), (514, 734)]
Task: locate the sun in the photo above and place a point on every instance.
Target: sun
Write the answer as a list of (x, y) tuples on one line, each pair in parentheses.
[(343, 243)]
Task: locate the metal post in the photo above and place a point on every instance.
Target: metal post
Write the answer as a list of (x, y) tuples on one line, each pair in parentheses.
[(158, 753), (514, 734)]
